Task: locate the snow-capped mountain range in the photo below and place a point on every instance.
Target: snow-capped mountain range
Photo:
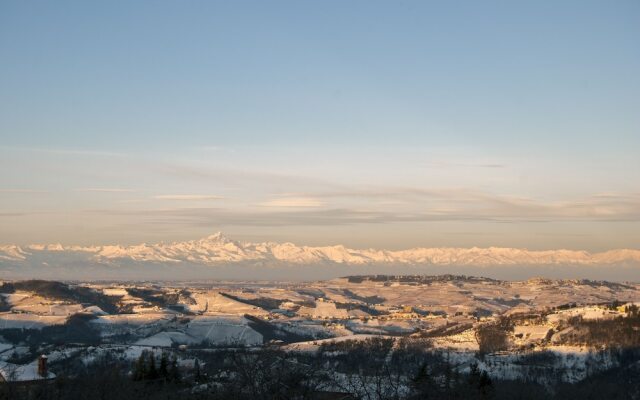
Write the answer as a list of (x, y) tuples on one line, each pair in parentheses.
[(219, 250)]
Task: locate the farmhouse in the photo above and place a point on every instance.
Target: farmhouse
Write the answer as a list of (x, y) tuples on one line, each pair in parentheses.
[(35, 371)]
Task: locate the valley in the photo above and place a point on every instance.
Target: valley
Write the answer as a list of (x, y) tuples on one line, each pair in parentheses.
[(573, 328)]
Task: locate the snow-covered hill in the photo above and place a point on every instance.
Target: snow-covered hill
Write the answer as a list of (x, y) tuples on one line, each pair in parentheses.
[(217, 249)]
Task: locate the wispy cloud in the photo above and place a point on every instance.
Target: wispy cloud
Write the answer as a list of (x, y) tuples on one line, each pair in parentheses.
[(66, 151), (362, 207), (106, 190), (25, 191), (188, 197), (12, 214), (450, 164), (238, 177), (480, 207), (221, 216), (293, 202), (133, 201)]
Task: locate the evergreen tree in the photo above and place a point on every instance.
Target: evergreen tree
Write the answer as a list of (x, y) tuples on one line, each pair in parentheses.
[(485, 385), (479, 382), (421, 383), (140, 368), (163, 371), (196, 371), (174, 371), (152, 372)]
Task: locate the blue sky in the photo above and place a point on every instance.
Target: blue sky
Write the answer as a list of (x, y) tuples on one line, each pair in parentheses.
[(387, 124)]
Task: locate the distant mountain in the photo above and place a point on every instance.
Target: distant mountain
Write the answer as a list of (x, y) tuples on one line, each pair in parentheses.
[(218, 249)]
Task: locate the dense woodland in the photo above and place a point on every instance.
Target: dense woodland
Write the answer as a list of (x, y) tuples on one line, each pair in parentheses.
[(346, 370)]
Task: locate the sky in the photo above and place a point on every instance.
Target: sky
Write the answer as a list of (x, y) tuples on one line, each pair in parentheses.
[(367, 123)]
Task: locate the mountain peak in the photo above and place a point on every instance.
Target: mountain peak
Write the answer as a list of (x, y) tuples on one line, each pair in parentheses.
[(217, 237)]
